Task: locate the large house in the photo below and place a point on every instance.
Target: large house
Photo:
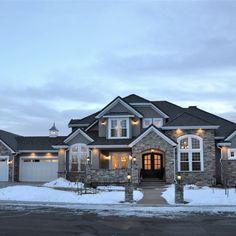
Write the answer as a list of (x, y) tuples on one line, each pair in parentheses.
[(130, 136)]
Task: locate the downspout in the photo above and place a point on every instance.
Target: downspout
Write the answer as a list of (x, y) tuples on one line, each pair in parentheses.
[(221, 165)]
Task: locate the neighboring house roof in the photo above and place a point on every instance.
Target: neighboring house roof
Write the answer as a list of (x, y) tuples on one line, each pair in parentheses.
[(53, 128), (187, 120), (232, 135), (9, 139), (226, 126), (38, 143)]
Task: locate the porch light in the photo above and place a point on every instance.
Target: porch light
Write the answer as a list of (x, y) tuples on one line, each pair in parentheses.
[(130, 157), (179, 132), (88, 160), (152, 150), (129, 177), (179, 178), (134, 159)]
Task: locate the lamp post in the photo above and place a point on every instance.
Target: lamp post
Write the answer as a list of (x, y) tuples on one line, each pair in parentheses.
[(179, 189), (129, 189)]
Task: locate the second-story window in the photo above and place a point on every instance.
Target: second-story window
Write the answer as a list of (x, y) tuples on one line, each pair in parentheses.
[(118, 128)]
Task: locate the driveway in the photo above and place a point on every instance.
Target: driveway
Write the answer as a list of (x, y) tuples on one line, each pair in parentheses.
[(55, 221)]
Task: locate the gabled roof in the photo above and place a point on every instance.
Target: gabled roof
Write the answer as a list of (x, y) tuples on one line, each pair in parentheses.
[(231, 136), (152, 128), (86, 120), (9, 139), (168, 108), (113, 103), (226, 126), (186, 119), (75, 133), (40, 143), (133, 98)]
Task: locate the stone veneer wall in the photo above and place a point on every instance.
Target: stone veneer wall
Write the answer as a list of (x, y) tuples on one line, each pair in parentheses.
[(107, 176), (153, 141), (229, 172), (208, 176), (4, 151)]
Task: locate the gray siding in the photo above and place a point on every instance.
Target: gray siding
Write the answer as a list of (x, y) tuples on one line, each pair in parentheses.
[(233, 142), (148, 112), (79, 139), (118, 108), (102, 129), (95, 156)]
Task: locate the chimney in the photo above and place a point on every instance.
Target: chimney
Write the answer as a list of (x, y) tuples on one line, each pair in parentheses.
[(53, 132)]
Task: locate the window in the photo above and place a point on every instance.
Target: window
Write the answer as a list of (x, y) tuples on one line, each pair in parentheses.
[(147, 122), (158, 122), (190, 153), (118, 128), (232, 153), (78, 157), (119, 160)]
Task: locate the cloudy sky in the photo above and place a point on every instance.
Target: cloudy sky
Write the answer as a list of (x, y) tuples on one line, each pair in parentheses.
[(65, 59)]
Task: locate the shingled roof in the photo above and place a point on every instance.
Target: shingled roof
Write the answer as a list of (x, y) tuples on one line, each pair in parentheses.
[(9, 139), (38, 143)]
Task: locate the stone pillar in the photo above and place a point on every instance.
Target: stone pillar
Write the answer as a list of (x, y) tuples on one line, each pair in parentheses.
[(135, 173), (179, 193), (129, 193), (88, 176)]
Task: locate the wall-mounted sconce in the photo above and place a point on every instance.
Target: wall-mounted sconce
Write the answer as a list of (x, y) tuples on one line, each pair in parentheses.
[(103, 122), (135, 122)]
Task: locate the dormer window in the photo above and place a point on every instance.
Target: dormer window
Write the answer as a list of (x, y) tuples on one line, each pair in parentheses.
[(118, 128), (158, 122)]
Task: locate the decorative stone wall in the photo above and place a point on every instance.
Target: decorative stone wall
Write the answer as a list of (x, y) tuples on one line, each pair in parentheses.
[(208, 176), (107, 176), (229, 172), (153, 141), (4, 151)]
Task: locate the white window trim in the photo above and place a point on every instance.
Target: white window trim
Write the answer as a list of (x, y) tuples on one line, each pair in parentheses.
[(118, 122), (190, 152), (79, 145), (152, 122), (147, 119), (229, 153), (119, 156)]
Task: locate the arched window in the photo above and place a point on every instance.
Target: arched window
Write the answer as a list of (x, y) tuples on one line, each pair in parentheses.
[(190, 153), (78, 156)]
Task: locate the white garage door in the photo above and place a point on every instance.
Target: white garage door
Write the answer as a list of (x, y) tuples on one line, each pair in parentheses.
[(38, 169), (3, 168)]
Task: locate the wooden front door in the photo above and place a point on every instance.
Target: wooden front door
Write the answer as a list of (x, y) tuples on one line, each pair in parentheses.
[(152, 165)]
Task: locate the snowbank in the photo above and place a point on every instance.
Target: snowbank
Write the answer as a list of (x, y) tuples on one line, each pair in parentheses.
[(45, 194), (195, 195), (63, 183)]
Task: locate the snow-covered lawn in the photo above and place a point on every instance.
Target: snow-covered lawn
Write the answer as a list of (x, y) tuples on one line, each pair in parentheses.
[(63, 183), (45, 194), (202, 195)]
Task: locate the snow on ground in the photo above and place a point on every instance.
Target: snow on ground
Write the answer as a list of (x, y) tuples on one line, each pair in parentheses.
[(195, 195), (44, 194), (63, 183)]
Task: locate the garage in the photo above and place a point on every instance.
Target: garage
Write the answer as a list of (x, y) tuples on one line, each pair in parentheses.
[(38, 169), (4, 169)]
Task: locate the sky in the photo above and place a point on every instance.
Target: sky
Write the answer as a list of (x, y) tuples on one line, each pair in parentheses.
[(66, 59)]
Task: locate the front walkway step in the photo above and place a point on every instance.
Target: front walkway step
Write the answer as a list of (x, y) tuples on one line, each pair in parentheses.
[(153, 196)]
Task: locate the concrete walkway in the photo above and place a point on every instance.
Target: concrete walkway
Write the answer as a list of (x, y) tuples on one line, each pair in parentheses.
[(153, 196)]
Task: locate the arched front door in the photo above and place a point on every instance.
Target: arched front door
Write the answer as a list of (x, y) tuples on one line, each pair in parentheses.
[(152, 165)]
